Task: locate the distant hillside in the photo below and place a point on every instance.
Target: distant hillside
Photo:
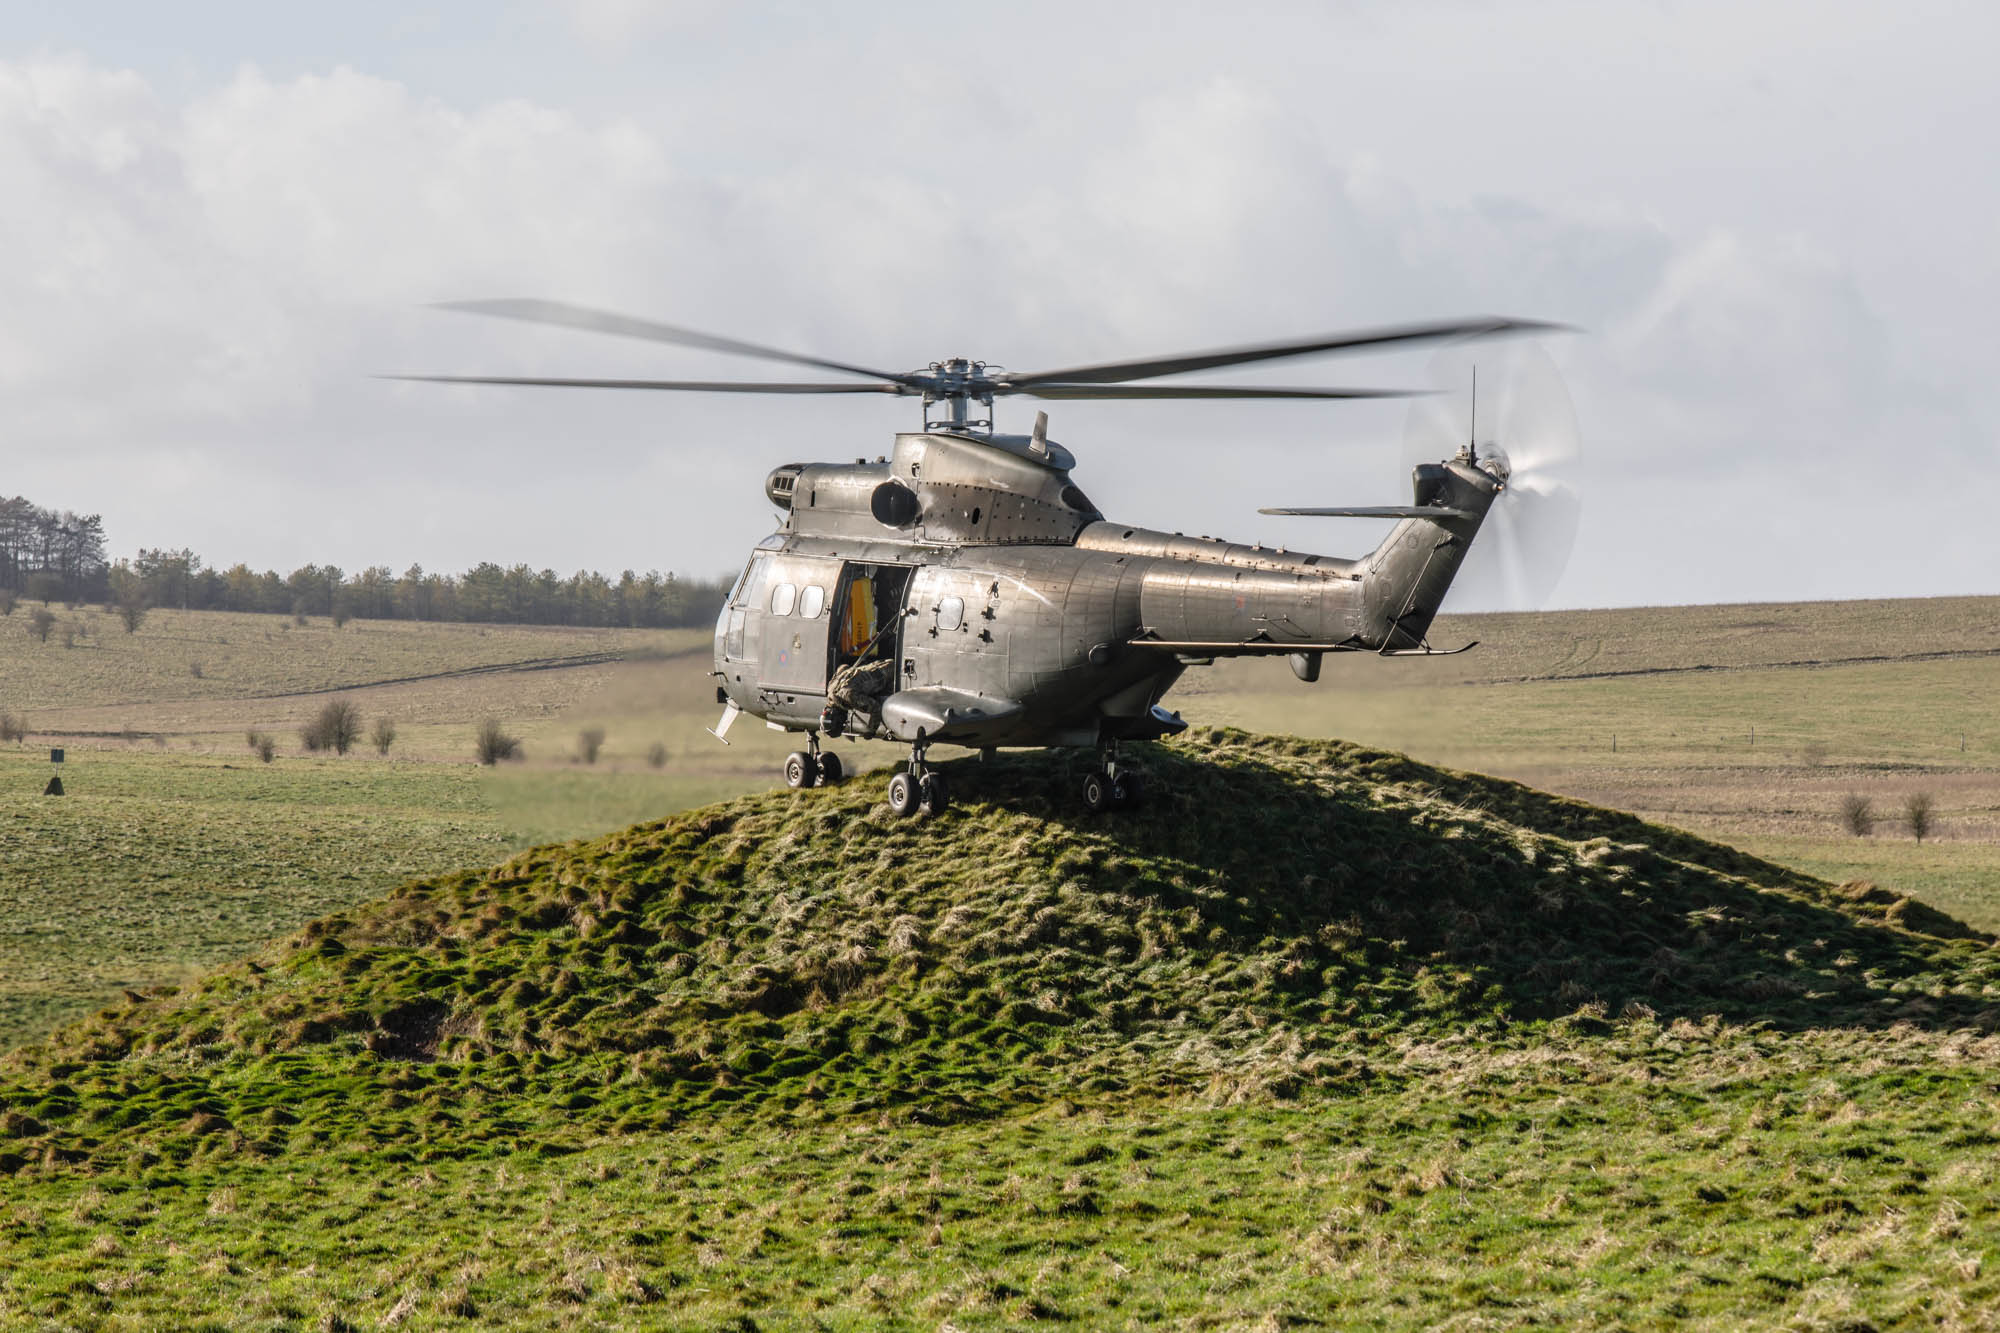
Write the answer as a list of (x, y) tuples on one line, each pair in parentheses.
[(803, 1054)]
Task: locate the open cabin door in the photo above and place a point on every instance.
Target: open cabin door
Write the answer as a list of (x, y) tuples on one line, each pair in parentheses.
[(868, 623)]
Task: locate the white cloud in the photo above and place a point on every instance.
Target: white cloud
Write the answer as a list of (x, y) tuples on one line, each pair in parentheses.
[(207, 282)]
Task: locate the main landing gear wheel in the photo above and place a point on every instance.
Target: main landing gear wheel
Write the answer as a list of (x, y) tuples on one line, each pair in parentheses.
[(830, 770), (1111, 786), (919, 789), (801, 770)]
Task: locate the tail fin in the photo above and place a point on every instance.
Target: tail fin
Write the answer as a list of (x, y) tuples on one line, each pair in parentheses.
[(1407, 576)]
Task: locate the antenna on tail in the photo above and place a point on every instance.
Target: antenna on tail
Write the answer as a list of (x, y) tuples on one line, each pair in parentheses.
[(1472, 423)]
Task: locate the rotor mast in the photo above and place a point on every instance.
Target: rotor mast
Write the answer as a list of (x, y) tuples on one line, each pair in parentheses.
[(957, 384)]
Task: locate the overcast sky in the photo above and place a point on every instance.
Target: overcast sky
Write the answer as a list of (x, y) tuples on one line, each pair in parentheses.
[(1775, 222)]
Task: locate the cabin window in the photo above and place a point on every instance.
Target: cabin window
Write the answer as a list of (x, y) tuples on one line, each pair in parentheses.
[(812, 601), (783, 597), (951, 613)]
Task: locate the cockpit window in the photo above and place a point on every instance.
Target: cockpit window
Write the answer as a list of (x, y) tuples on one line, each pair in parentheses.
[(750, 588), (812, 601), (782, 599)]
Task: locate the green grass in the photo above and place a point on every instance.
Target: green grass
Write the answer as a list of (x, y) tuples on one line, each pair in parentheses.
[(154, 866), (543, 805), (1960, 878), (176, 849), (1774, 1197), (110, 913), (1325, 1035), (1685, 751), (157, 864)]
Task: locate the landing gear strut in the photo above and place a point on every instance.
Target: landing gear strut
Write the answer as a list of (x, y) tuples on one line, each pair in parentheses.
[(1114, 785), (919, 789), (810, 768)]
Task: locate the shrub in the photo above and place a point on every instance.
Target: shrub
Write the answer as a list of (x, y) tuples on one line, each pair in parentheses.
[(262, 744), (1857, 815), (657, 756), (492, 744), (132, 613), (341, 615), (7, 601), (589, 742), (335, 727), (384, 735), (195, 669), (13, 727), (1920, 815), (40, 621)]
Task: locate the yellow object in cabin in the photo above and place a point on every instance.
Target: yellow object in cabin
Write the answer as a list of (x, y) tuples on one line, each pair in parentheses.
[(860, 626)]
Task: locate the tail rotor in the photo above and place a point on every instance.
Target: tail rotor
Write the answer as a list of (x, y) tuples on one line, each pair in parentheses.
[(1526, 435)]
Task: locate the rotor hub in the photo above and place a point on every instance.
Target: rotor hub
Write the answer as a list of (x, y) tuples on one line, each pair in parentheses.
[(958, 383)]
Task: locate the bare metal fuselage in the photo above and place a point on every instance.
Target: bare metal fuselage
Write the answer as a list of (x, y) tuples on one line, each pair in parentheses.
[(1020, 617)]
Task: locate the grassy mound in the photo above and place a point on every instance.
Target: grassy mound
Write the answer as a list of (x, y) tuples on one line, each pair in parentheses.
[(1286, 929)]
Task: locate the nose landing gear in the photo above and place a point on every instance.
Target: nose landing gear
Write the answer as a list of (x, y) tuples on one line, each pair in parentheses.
[(1113, 786), (811, 768)]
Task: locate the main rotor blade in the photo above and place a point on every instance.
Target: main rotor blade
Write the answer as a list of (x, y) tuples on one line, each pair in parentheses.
[(697, 386), (601, 321), (1042, 390), (1378, 511), (1114, 371)]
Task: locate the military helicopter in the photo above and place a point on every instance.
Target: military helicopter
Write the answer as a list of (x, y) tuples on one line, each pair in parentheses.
[(962, 589)]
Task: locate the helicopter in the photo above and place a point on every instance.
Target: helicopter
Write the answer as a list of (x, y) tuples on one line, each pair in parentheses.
[(962, 590)]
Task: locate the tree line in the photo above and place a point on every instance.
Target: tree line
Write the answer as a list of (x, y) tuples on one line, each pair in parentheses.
[(487, 593), (50, 555), (60, 557)]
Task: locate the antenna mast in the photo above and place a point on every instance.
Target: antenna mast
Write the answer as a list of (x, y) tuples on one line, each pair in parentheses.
[(1472, 425)]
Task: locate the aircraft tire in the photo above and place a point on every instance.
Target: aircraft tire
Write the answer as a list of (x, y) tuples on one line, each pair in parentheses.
[(830, 770), (902, 794), (800, 771), (934, 794), (1096, 792)]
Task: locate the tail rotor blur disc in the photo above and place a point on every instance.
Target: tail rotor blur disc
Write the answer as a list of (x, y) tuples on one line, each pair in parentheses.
[(1522, 412)]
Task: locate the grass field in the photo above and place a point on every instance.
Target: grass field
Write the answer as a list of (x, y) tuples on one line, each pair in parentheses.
[(1749, 723), (176, 849), (1323, 1037)]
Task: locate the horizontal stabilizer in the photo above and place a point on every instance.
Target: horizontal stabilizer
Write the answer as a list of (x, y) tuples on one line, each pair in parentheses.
[(1378, 511), (1428, 651)]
